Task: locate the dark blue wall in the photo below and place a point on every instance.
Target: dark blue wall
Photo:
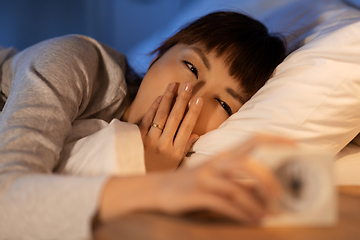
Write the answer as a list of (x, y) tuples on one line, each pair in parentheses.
[(118, 23)]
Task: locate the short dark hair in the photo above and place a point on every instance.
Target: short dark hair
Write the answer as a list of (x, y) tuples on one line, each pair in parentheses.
[(251, 52)]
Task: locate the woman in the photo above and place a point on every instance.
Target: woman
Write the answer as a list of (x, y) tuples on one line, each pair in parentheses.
[(199, 78)]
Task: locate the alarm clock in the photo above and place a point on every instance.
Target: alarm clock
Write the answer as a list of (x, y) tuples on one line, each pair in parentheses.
[(307, 179)]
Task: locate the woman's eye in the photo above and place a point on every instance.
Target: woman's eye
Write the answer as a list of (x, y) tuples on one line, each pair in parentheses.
[(192, 68), (225, 106)]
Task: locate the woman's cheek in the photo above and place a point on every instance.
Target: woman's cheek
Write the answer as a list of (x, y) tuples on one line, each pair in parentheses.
[(210, 118)]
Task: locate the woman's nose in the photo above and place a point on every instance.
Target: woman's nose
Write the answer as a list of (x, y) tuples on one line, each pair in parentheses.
[(197, 87)]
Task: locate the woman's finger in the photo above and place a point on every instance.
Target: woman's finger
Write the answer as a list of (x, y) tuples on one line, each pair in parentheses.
[(268, 183), (241, 196), (149, 116), (200, 197), (177, 112), (222, 206), (239, 163), (246, 169), (187, 125), (162, 113), (241, 158)]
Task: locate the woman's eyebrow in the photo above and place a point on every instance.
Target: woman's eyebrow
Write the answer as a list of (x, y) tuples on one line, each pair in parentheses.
[(202, 56), (235, 95)]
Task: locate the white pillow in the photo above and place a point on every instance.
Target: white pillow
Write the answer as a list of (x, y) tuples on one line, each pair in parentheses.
[(297, 20), (314, 96)]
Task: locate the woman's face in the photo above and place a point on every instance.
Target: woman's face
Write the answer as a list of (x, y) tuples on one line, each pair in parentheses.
[(209, 75)]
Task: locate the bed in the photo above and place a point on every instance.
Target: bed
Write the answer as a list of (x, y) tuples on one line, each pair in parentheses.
[(313, 96)]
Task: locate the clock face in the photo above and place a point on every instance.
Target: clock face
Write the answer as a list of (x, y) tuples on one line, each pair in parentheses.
[(302, 183), (306, 177)]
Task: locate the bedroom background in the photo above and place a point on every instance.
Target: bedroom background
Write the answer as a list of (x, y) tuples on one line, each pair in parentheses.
[(121, 24), (118, 23), (129, 26)]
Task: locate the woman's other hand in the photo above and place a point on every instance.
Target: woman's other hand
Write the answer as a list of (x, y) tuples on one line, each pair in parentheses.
[(213, 186), (166, 128)]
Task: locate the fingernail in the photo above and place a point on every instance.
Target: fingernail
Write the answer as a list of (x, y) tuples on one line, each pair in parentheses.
[(187, 87), (172, 86), (198, 101)]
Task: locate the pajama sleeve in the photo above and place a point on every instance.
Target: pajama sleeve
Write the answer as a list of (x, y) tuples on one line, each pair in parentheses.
[(49, 85)]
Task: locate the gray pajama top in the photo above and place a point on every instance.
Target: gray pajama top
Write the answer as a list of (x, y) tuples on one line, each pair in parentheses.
[(46, 87)]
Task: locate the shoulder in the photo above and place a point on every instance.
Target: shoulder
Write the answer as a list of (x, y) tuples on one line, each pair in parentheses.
[(72, 51), (68, 48)]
